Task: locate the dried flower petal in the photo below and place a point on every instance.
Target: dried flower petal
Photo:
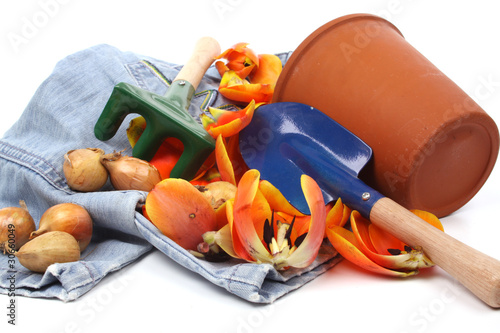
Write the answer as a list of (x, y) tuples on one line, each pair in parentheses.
[(227, 123), (348, 246)]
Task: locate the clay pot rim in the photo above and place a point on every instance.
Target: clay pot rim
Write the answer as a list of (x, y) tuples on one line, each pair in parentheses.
[(314, 38)]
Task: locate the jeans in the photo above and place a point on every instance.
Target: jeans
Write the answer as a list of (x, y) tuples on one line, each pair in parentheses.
[(61, 117)]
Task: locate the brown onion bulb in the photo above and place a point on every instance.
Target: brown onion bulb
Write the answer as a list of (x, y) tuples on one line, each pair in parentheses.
[(16, 225), (47, 249), (83, 169), (67, 217), (130, 173), (218, 192)]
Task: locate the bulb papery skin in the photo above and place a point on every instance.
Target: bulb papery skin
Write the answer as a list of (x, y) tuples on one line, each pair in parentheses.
[(50, 248), (83, 169), (16, 225), (130, 173), (70, 218), (218, 192)]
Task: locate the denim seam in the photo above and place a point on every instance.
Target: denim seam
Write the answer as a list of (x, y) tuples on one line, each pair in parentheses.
[(207, 102), (157, 72), (229, 107), (7, 152), (137, 77), (232, 278), (90, 275)]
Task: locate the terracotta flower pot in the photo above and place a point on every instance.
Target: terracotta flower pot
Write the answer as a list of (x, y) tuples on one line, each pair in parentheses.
[(433, 146)]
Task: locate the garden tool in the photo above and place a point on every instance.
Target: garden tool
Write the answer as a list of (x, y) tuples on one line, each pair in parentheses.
[(286, 140), (166, 116)]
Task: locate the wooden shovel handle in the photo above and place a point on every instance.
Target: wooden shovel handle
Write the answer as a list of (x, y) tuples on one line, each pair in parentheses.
[(475, 270), (204, 54)]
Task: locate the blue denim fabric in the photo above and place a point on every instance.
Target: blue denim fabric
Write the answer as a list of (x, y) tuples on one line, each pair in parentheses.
[(61, 117)]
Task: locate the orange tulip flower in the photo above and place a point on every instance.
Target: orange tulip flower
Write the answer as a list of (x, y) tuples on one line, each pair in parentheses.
[(227, 123), (378, 251), (262, 235), (240, 59), (247, 76)]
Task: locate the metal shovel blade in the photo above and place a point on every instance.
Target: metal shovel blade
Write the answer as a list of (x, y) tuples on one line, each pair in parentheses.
[(285, 140)]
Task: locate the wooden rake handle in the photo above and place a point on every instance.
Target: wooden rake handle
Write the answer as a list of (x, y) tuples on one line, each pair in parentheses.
[(204, 54), (475, 270)]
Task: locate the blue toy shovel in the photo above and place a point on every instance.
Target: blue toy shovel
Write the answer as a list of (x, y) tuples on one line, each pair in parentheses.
[(166, 116), (286, 140)]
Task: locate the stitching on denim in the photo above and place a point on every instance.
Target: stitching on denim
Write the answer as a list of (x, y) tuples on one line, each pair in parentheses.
[(157, 72), (208, 98), (232, 278), (24, 161), (29, 273), (229, 107), (90, 274), (167, 81), (136, 76)]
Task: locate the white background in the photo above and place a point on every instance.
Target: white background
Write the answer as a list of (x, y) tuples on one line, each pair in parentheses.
[(459, 37)]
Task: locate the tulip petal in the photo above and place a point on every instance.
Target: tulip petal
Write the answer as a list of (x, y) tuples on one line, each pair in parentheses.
[(228, 123), (384, 241), (360, 228), (429, 218), (240, 58), (221, 216), (207, 172), (238, 63), (238, 89), (135, 129), (243, 224), (180, 212), (241, 62), (305, 254), (207, 122), (248, 52), (223, 162), (260, 212), (411, 260), (347, 245), (233, 151), (205, 177), (221, 67), (282, 206), (237, 245), (223, 238), (277, 200), (167, 156), (247, 92), (338, 214), (231, 78), (269, 70)]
